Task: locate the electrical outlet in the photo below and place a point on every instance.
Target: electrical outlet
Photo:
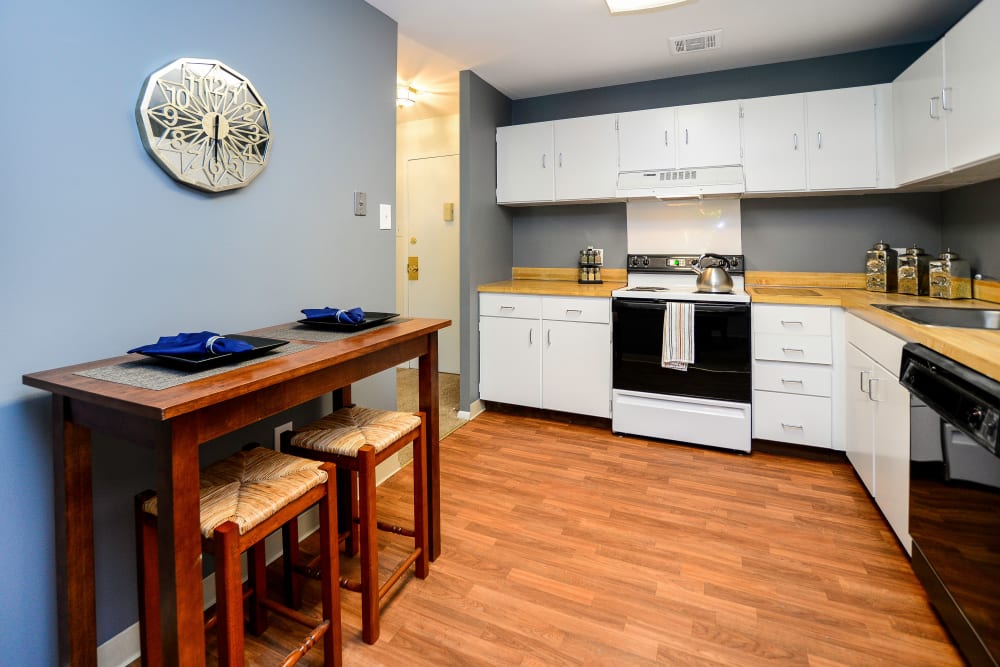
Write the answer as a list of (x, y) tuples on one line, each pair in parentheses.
[(360, 203), (278, 430)]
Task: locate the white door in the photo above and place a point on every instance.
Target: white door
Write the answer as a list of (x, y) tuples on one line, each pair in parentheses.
[(841, 139), (576, 369), (774, 151), (708, 135), (892, 451), (586, 157), (510, 361), (432, 185), (918, 120), (524, 163), (647, 140), (860, 415)]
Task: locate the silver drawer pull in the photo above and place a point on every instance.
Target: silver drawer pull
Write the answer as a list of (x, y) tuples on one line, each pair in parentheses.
[(507, 307), (797, 427), (574, 310), (787, 381), (531, 337), (862, 381), (787, 322), (792, 349)]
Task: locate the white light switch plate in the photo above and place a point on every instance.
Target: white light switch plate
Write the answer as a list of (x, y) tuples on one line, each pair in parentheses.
[(385, 216)]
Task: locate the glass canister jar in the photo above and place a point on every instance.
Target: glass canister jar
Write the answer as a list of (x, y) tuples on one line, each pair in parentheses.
[(881, 268), (914, 271)]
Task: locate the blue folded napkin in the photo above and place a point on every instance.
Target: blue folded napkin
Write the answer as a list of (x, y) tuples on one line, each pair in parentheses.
[(204, 342), (347, 316)]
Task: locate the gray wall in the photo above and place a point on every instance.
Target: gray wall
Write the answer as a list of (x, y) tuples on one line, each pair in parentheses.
[(554, 235), (487, 244), (831, 234), (101, 251), (971, 225)]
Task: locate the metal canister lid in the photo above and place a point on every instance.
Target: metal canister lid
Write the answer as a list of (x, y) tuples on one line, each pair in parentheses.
[(914, 250), (948, 255), (881, 245)]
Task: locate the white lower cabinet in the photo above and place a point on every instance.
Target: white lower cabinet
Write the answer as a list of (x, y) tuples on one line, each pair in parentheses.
[(878, 421), (793, 377), (546, 352)]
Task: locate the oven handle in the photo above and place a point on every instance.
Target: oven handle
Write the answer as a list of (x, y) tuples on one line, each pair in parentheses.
[(700, 306)]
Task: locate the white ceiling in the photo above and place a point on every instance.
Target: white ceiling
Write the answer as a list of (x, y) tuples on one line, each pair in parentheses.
[(526, 48)]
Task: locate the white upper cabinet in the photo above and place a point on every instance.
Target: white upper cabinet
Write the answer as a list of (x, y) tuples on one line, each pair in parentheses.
[(774, 151), (708, 135), (647, 140), (919, 125), (572, 159), (842, 140), (826, 140), (971, 94)]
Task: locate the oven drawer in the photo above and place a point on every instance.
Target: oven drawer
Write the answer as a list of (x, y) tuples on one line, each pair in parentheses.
[(785, 347), (801, 420), (808, 379), (576, 309), (525, 306), (798, 320)]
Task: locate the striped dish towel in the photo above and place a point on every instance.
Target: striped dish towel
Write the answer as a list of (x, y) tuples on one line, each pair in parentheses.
[(678, 335)]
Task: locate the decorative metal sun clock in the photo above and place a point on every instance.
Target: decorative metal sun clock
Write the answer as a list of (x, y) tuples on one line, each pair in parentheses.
[(205, 124)]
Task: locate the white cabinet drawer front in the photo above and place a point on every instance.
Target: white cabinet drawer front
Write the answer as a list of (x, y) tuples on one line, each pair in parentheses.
[(510, 305), (877, 343), (576, 309), (810, 379), (801, 320), (800, 349), (802, 420)]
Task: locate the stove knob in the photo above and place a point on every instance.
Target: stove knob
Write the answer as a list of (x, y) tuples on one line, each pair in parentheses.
[(975, 417), (635, 261), (645, 261)]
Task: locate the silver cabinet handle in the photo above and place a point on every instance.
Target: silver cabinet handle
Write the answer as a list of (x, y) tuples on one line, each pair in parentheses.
[(685, 136), (819, 140), (861, 379), (666, 137), (543, 161), (531, 337), (787, 381), (945, 92), (870, 383), (560, 159), (548, 337), (786, 350), (930, 110), (574, 310), (797, 427), (795, 141), (506, 307), (787, 322)]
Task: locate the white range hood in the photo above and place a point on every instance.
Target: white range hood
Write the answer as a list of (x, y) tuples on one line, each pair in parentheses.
[(700, 183)]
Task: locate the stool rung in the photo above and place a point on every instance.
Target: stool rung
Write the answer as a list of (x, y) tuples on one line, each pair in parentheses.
[(291, 614), (310, 641), (396, 530), (410, 560), (350, 584), (309, 571)]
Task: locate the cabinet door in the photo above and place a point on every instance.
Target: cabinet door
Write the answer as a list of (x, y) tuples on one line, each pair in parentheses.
[(586, 158), (841, 147), (891, 402), (510, 360), (860, 413), (708, 135), (972, 87), (576, 367), (774, 152), (647, 140), (918, 123), (525, 171)]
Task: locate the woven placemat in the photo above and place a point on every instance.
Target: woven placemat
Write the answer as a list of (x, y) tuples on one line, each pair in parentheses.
[(148, 373), (317, 335)]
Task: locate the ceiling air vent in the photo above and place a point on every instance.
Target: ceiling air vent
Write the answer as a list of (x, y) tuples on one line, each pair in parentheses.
[(698, 41)]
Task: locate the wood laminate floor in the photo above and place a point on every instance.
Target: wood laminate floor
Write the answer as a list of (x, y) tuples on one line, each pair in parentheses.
[(566, 545)]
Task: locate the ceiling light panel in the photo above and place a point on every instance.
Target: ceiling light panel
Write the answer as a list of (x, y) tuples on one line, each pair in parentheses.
[(625, 6)]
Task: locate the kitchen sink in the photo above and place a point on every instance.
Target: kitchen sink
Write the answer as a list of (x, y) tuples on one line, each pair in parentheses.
[(946, 316)]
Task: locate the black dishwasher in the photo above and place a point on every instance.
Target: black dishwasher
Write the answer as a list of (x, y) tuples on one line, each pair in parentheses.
[(955, 496)]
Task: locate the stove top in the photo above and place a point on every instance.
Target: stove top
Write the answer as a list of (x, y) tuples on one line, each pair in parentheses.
[(670, 277)]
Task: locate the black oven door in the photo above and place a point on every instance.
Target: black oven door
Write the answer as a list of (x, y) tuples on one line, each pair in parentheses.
[(721, 368)]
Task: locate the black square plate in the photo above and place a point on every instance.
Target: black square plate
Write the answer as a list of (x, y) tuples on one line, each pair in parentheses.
[(371, 319), (200, 361)]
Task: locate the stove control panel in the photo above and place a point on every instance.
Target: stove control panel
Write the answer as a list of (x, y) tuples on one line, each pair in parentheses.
[(681, 263)]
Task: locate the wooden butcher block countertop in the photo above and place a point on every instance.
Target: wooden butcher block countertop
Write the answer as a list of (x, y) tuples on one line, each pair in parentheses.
[(556, 282), (977, 348)]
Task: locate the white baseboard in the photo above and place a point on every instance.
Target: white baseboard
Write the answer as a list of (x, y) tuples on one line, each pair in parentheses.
[(476, 408)]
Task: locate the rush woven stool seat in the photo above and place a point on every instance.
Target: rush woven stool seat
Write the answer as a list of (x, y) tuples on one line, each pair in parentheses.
[(243, 499), (358, 439)]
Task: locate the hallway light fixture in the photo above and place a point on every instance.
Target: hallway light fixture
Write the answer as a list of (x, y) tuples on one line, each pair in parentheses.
[(626, 6), (406, 96)]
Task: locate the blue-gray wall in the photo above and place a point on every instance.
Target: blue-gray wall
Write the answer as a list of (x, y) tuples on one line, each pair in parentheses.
[(102, 251), (486, 245), (555, 235), (971, 225)]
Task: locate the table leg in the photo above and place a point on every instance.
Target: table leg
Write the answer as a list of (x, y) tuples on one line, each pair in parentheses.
[(74, 522), (179, 538), (429, 398)]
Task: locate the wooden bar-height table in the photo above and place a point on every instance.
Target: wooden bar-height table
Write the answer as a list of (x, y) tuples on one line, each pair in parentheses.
[(175, 422)]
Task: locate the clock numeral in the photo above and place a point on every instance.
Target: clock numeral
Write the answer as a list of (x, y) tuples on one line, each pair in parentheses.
[(177, 140), (215, 167), (170, 115), (250, 113)]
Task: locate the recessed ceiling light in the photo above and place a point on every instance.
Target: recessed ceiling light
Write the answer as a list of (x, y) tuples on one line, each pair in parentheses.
[(625, 6), (406, 96)]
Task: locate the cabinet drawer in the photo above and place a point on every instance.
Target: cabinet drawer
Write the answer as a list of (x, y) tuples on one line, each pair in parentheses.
[(800, 349), (798, 320), (525, 306), (809, 379), (576, 309), (802, 420), (877, 343)]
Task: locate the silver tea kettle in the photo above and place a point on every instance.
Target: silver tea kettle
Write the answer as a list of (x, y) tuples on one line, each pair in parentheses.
[(714, 278)]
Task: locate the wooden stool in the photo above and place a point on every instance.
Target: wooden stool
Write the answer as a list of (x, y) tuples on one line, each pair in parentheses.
[(358, 439), (244, 498)]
